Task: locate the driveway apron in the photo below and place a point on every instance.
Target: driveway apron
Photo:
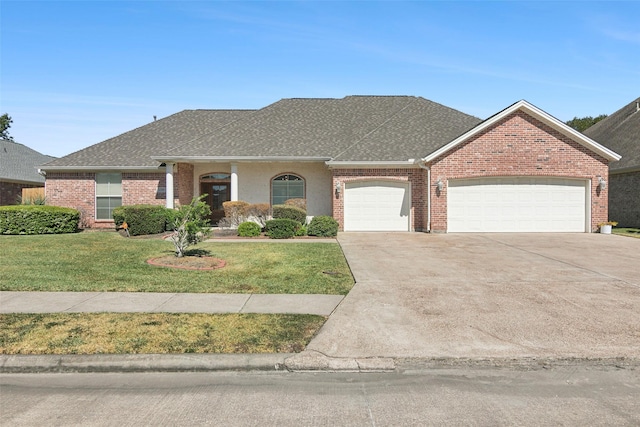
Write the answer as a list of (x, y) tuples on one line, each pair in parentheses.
[(487, 296)]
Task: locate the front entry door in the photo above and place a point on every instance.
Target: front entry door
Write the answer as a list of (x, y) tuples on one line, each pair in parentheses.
[(217, 193)]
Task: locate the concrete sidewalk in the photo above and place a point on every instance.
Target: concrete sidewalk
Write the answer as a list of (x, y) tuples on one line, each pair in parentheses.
[(149, 302)]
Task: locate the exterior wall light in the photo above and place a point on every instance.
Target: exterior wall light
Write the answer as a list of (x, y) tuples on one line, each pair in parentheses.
[(602, 183), (338, 188), (439, 184)]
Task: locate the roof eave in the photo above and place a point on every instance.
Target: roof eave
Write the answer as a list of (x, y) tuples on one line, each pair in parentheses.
[(97, 168), (343, 164), (540, 115), (239, 159)]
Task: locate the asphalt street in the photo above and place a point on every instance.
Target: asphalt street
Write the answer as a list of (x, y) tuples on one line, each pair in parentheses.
[(570, 396)]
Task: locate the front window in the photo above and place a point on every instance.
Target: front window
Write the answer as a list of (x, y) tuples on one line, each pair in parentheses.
[(285, 187), (108, 194)]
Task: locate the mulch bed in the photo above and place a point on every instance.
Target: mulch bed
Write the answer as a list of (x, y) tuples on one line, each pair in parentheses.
[(188, 262)]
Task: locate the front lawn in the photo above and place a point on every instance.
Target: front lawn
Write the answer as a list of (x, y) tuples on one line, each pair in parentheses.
[(105, 261), (155, 333), (631, 232)]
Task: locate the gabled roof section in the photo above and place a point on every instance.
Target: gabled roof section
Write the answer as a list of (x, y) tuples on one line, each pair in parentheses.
[(621, 132), (20, 163), (133, 149), (537, 113)]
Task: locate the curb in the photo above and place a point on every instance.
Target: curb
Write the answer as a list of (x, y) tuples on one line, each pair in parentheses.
[(307, 361), (142, 363)]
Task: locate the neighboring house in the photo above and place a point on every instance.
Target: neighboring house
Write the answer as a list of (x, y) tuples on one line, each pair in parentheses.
[(375, 163), (621, 132), (18, 170)]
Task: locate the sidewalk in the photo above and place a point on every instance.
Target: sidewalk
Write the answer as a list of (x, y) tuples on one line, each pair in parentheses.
[(149, 302)]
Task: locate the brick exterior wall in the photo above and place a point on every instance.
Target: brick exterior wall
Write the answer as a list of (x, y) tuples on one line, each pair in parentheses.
[(624, 199), (10, 191), (417, 178), (183, 182), (519, 145), (77, 190)]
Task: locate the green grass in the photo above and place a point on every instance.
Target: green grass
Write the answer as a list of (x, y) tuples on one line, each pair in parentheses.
[(631, 232), (105, 261), (155, 333)]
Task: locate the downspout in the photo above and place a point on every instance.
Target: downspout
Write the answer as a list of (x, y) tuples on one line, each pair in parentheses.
[(422, 164)]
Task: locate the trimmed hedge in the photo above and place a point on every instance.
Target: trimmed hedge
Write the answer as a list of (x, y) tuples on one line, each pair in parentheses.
[(282, 228), (249, 229), (290, 212), (38, 219), (142, 219), (323, 226)]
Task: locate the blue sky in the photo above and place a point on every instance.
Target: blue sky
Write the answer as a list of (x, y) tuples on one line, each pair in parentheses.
[(75, 73)]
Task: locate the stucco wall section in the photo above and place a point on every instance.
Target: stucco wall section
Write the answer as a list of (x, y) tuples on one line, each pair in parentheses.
[(254, 181), (519, 145), (417, 177), (624, 199)]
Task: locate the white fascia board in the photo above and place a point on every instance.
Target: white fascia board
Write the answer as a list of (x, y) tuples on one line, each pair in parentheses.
[(411, 163), (238, 159), (538, 114), (100, 168)]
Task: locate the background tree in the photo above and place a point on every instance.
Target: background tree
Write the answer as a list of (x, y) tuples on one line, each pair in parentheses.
[(5, 124), (583, 123)]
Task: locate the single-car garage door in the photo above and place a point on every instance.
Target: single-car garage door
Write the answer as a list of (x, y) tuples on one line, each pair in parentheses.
[(376, 206), (517, 204)]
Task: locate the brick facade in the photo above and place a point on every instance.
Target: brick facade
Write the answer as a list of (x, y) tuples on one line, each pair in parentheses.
[(519, 145), (184, 183), (624, 199), (10, 191), (77, 190), (416, 177)]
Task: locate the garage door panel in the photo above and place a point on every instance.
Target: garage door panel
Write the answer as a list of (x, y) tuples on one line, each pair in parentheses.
[(515, 204), (376, 206)]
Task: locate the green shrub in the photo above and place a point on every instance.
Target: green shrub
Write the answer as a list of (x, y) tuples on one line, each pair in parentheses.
[(249, 229), (282, 228), (37, 219), (323, 226), (289, 212), (141, 219), (301, 231)]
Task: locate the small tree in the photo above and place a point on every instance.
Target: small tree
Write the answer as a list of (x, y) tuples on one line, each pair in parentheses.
[(5, 124), (191, 225)]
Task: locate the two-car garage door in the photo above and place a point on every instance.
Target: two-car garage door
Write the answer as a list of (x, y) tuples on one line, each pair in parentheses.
[(519, 204)]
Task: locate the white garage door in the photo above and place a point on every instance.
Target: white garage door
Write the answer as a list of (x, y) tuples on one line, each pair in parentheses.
[(522, 204), (376, 206)]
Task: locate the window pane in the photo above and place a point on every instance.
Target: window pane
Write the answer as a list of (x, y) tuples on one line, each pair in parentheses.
[(285, 187), (105, 206), (108, 184)]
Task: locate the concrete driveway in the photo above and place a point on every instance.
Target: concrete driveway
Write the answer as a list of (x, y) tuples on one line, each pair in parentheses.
[(487, 296)]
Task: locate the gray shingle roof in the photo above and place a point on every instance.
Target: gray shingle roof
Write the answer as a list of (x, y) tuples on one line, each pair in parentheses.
[(20, 163), (134, 148), (354, 128), (620, 132)]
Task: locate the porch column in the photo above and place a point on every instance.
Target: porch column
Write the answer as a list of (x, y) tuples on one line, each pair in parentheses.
[(169, 185), (234, 182)]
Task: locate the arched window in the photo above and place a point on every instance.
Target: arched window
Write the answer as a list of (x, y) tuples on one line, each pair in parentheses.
[(285, 187)]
